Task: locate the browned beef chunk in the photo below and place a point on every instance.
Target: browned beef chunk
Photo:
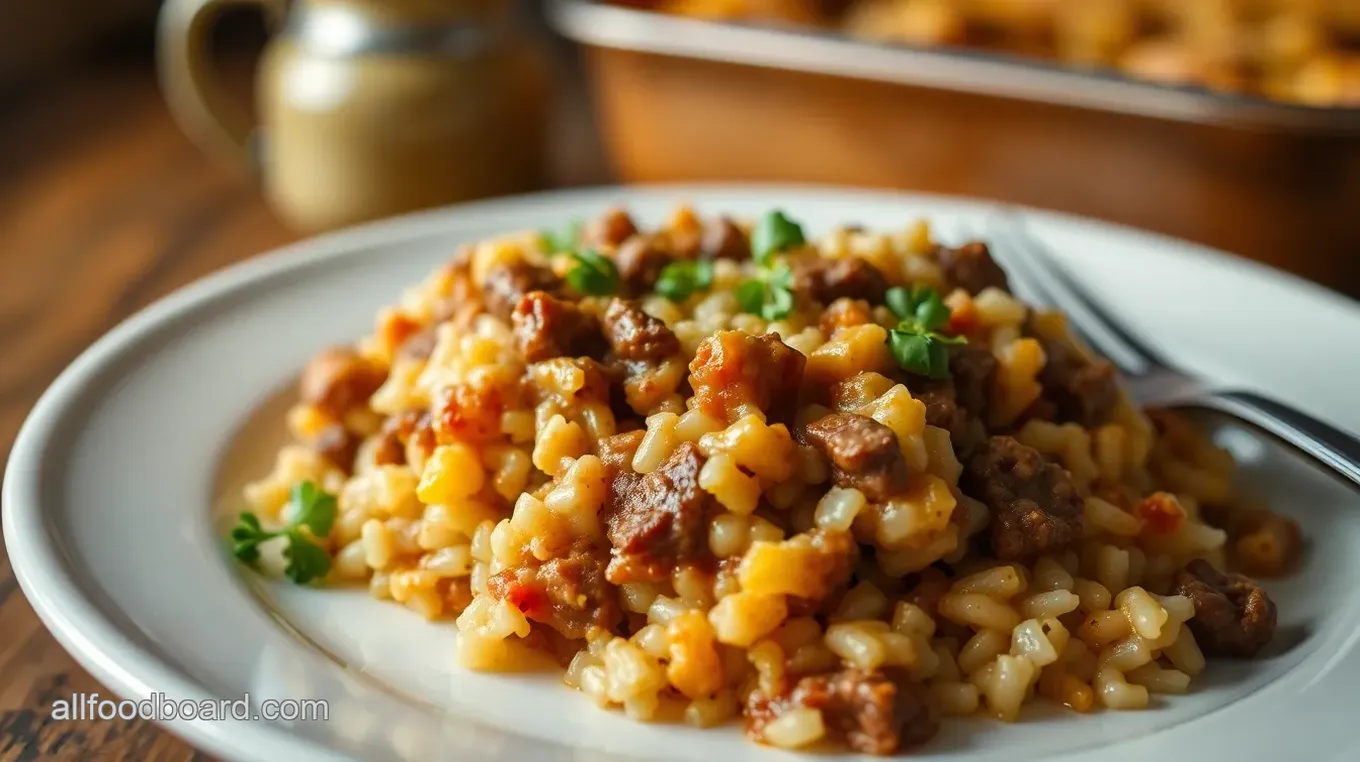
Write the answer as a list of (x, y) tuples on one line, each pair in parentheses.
[(548, 327), (506, 285), (1079, 390), (464, 301), (466, 412), (827, 280), (971, 268), (874, 713), (657, 520), (569, 594), (610, 229), (640, 260), (397, 431), (636, 336), (390, 450), (959, 403), (733, 370), (722, 239), (1034, 504), (338, 445), (617, 451), (864, 453), (972, 369), (1233, 615), (338, 380)]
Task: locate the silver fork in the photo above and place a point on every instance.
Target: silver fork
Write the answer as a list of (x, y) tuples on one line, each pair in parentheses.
[(1150, 379)]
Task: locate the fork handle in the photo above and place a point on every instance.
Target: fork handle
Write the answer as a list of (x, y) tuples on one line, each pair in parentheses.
[(1332, 447)]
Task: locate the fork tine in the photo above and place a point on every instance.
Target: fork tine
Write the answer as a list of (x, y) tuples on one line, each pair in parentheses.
[(1101, 330)]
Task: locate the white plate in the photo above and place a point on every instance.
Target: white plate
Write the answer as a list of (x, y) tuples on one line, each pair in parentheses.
[(110, 532)]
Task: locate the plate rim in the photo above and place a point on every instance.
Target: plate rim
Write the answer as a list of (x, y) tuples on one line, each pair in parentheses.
[(100, 646)]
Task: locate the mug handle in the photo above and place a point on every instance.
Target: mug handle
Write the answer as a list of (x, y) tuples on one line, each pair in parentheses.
[(197, 102)]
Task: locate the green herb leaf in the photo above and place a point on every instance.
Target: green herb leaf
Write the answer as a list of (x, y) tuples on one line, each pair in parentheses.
[(768, 294), (564, 239), (680, 279), (920, 353), (315, 508), (920, 306), (778, 305), (900, 303), (931, 312), (246, 537), (774, 233), (306, 561), (593, 274), (780, 276), (751, 295)]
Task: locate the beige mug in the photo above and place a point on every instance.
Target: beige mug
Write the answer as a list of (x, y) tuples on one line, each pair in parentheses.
[(367, 107)]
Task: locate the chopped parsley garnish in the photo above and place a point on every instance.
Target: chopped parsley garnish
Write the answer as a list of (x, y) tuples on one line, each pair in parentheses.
[(680, 279), (593, 274), (921, 305), (768, 294), (564, 239), (313, 509), (773, 234), (916, 343)]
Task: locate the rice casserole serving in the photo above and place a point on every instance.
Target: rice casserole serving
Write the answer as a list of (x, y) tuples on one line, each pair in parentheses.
[(834, 489)]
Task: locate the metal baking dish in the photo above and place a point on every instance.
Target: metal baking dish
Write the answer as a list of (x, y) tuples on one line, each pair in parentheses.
[(683, 99)]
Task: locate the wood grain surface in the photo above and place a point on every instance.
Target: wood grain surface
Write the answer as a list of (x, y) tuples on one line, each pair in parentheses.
[(104, 208)]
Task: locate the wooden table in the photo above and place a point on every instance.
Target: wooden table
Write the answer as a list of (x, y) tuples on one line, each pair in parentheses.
[(105, 207)]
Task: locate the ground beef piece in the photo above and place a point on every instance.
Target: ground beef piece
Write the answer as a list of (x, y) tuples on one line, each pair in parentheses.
[(874, 713), (462, 300), (466, 412), (959, 403), (636, 336), (337, 445), (657, 520), (827, 280), (1079, 390), (505, 285), (971, 268), (569, 594), (733, 371), (389, 450), (972, 369), (339, 380), (640, 260), (722, 239), (1034, 504), (617, 451), (939, 397), (864, 453), (1233, 615), (609, 229), (548, 327)]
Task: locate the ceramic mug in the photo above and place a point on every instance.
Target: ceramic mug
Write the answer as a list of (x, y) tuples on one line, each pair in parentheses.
[(368, 107)]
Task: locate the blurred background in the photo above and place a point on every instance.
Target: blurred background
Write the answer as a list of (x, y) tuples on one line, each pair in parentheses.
[(143, 145)]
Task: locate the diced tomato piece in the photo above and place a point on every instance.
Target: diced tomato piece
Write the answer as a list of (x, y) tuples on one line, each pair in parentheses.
[(529, 599), (963, 318), (1161, 512)]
